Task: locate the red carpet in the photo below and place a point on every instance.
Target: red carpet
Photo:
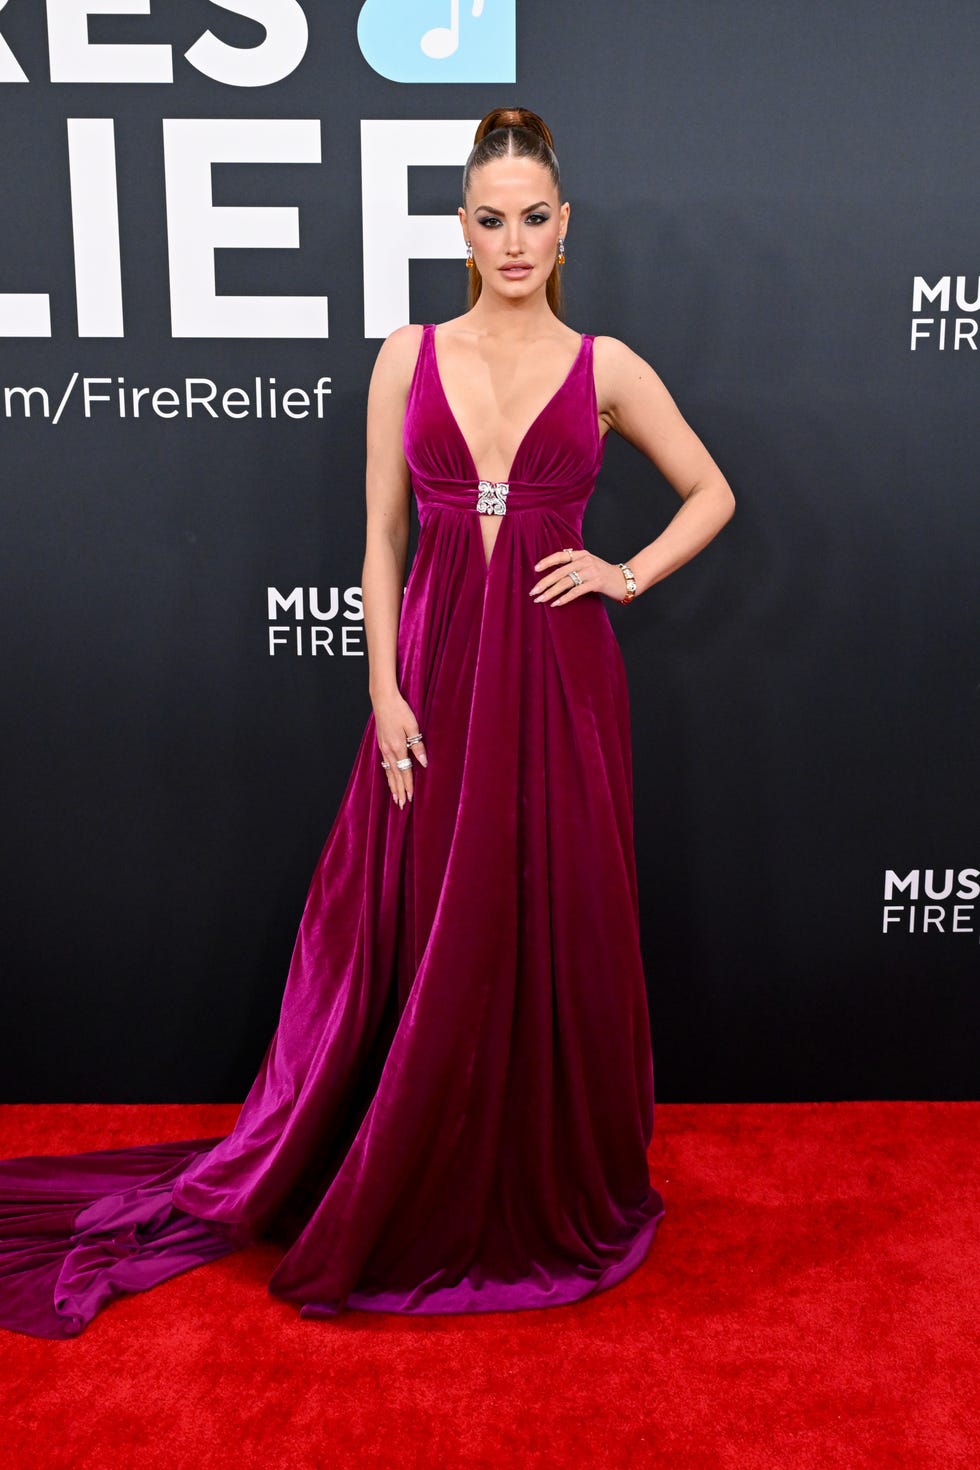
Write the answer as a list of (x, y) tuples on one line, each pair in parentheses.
[(810, 1303)]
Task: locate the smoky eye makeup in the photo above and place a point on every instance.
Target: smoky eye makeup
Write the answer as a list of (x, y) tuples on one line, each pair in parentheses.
[(534, 216)]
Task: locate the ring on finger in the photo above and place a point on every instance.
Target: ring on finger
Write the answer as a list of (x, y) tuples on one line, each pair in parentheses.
[(414, 739), (577, 580), (405, 764)]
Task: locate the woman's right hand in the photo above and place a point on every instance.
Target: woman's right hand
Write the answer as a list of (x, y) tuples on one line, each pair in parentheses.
[(394, 722)]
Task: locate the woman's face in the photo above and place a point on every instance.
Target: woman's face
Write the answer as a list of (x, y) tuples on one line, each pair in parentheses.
[(513, 220)]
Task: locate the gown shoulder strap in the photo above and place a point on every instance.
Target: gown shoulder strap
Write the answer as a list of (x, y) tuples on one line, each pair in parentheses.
[(425, 348)]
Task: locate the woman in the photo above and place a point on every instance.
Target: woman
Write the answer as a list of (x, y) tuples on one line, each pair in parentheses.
[(454, 1111)]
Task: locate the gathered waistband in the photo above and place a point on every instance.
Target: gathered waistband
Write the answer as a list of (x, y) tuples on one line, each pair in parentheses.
[(490, 497)]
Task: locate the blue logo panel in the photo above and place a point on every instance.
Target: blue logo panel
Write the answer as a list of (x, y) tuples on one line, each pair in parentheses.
[(440, 40)]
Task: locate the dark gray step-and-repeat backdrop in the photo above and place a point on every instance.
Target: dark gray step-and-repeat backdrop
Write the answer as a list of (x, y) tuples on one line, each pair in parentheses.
[(211, 215)]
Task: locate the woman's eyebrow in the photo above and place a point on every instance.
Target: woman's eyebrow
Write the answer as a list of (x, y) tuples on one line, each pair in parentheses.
[(526, 210)]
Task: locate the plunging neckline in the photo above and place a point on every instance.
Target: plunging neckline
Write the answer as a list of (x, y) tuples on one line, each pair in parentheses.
[(531, 426)]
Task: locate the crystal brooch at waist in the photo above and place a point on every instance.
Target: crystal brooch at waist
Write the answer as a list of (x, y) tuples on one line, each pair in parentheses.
[(491, 498)]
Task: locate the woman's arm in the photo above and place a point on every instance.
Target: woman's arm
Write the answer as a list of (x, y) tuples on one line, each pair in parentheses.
[(634, 401), (388, 503)]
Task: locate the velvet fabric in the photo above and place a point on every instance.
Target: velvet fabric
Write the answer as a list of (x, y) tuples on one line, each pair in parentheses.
[(454, 1111)]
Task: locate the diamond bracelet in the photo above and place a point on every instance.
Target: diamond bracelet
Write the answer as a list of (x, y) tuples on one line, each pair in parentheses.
[(630, 581)]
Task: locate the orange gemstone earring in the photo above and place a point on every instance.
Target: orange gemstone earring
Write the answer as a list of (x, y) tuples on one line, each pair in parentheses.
[(561, 249), (469, 256)]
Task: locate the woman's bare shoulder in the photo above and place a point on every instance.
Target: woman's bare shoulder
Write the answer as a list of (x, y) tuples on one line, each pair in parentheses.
[(614, 354), (617, 366), (397, 356)]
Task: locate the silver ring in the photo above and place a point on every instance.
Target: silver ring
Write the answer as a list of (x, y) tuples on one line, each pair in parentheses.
[(570, 552), (386, 765), (403, 765), (575, 578), (414, 739)]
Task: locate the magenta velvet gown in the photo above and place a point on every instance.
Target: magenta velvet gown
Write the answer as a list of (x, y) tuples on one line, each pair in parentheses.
[(454, 1111)]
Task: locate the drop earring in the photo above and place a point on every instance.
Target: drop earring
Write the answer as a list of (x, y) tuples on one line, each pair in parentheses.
[(469, 256), (561, 249)]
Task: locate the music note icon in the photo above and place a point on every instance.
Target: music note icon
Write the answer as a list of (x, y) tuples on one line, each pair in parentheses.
[(443, 41), (475, 41)]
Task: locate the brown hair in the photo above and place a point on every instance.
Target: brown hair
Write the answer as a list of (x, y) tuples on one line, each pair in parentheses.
[(514, 132)]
